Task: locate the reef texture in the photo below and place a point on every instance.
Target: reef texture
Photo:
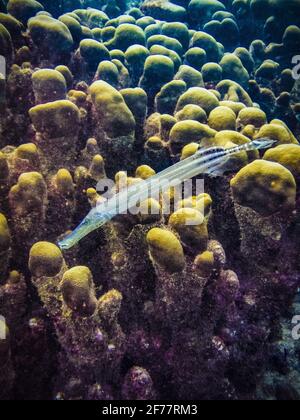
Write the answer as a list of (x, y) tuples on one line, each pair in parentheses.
[(149, 306)]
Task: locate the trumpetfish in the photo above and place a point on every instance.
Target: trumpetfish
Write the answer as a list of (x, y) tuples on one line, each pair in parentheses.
[(205, 161)]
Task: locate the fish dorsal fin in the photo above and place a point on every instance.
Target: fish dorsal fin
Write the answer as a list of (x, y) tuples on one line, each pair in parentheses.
[(209, 150)]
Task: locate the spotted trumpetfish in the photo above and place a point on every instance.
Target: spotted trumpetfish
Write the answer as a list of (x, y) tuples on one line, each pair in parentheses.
[(205, 161)]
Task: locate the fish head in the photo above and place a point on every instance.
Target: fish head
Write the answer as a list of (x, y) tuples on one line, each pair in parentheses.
[(264, 143)]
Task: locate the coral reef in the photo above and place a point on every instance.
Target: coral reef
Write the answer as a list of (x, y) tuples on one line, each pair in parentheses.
[(185, 297)]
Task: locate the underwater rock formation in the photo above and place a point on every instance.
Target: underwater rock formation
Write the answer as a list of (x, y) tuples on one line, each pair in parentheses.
[(183, 297)]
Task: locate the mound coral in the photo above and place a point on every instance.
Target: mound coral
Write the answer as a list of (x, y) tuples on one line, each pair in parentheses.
[(166, 100), (164, 10), (265, 187), (287, 155), (24, 10), (208, 44), (222, 118), (232, 68), (189, 131), (48, 86), (156, 64), (114, 116), (202, 11), (57, 124), (198, 96), (51, 36), (7, 373), (77, 291), (166, 250), (125, 36), (93, 52), (4, 244), (191, 226)]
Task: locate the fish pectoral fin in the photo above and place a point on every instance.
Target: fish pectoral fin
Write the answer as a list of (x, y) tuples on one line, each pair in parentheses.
[(219, 169), (217, 172)]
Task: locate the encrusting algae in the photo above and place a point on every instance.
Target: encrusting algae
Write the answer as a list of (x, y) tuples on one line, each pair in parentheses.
[(115, 282)]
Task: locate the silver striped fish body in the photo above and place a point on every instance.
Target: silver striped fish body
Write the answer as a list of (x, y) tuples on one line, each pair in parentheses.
[(204, 161)]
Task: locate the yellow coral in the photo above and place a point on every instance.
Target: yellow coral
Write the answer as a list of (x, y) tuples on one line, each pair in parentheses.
[(97, 168), (4, 170), (45, 259), (64, 182), (14, 277), (287, 155), (198, 96), (253, 116), (235, 106), (56, 119), (4, 234), (189, 150), (48, 85), (189, 131), (222, 118), (29, 192), (266, 187), (279, 122), (109, 305), (77, 97), (276, 132), (78, 290), (249, 131), (150, 211), (191, 226), (144, 172), (154, 143), (114, 115), (204, 204), (166, 250), (28, 152), (204, 263), (192, 112)]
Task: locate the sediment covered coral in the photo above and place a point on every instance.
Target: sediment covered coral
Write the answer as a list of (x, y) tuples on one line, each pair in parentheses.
[(57, 127), (5, 245), (70, 300), (52, 37), (7, 373)]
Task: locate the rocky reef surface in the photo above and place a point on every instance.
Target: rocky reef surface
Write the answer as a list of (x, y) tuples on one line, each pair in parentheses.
[(194, 304)]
